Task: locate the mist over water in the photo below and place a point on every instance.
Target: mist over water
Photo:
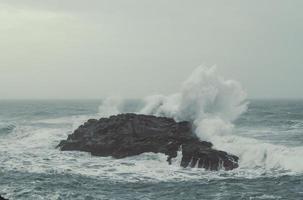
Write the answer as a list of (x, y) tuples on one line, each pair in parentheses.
[(265, 134)]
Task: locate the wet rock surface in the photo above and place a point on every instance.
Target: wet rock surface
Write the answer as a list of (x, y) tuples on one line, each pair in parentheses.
[(130, 134)]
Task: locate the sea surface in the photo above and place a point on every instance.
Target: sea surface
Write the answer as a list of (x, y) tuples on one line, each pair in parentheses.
[(268, 138)]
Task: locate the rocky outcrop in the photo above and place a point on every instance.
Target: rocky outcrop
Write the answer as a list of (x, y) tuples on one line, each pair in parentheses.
[(126, 135)]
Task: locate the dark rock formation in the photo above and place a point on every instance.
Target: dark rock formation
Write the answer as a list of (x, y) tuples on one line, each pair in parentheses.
[(131, 134), (2, 198)]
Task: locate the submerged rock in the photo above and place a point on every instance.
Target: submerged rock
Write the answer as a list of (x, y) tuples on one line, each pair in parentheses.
[(126, 135)]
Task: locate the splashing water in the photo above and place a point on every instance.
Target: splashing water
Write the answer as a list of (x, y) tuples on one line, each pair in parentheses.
[(212, 104), (206, 99)]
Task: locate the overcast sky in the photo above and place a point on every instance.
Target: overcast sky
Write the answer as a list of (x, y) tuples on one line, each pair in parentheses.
[(133, 48)]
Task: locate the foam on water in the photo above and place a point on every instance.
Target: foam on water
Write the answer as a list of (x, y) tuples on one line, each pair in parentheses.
[(30, 149)]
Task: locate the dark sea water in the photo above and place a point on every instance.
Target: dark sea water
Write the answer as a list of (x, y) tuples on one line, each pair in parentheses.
[(268, 138)]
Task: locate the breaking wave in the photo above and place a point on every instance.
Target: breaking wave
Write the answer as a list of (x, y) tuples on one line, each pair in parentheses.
[(212, 104)]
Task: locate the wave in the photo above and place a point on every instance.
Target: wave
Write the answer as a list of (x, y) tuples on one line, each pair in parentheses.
[(212, 104)]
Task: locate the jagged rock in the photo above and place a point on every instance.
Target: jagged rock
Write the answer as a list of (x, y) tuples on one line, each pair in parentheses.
[(131, 134)]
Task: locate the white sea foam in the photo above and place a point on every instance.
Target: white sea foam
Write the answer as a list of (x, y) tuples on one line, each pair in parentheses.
[(33, 150)]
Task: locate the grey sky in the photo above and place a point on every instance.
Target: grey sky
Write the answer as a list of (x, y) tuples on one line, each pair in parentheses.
[(134, 48)]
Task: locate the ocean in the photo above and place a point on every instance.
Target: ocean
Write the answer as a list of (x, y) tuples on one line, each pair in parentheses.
[(268, 138)]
